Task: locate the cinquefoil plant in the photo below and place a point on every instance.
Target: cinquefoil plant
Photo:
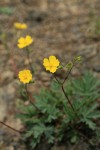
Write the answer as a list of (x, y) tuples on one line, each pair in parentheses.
[(62, 111), (54, 119)]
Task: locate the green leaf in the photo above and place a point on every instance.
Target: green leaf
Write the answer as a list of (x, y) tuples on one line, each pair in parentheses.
[(94, 115), (28, 134), (6, 10), (38, 130), (91, 109), (90, 123), (73, 139), (49, 133)]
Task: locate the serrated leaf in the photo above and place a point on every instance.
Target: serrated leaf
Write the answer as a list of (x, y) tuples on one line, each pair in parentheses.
[(94, 115), (28, 134), (90, 123), (91, 109)]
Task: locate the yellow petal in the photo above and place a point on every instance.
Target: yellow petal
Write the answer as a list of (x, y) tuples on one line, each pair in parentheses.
[(28, 37), (48, 68), (20, 25), (23, 26), (17, 25), (25, 76), (53, 69), (52, 59), (46, 62), (28, 40), (21, 45), (56, 63), (21, 40)]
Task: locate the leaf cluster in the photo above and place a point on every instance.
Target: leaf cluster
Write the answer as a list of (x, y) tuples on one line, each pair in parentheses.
[(56, 119)]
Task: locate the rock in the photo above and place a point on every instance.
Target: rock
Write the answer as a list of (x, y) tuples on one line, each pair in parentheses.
[(2, 132), (36, 16), (15, 123), (45, 76), (10, 148), (43, 146), (96, 69), (3, 106), (38, 4), (9, 94), (2, 145), (7, 76), (58, 148), (75, 72), (88, 51), (79, 146)]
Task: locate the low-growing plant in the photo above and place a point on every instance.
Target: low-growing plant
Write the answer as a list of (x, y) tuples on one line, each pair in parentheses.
[(55, 119), (64, 112)]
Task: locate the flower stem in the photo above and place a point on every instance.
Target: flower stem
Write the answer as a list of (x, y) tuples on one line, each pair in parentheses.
[(69, 100), (67, 75), (66, 95), (30, 99), (11, 127), (28, 56)]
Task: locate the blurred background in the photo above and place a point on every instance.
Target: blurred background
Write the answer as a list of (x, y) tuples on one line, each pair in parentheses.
[(64, 28)]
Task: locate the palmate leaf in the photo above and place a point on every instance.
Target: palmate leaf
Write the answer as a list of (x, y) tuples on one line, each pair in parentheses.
[(69, 112), (38, 130), (49, 134), (55, 86), (29, 109), (52, 113), (86, 86), (90, 113), (23, 117), (35, 133), (94, 115), (90, 123), (78, 104), (91, 109), (50, 96), (28, 134), (34, 143), (57, 116)]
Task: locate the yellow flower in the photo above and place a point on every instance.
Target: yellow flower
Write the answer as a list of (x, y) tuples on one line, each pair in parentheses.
[(23, 42), (25, 76), (21, 26), (51, 64)]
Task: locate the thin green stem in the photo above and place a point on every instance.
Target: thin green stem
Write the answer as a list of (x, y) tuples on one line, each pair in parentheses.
[(28, 57), (57, 80), (68, 74)]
